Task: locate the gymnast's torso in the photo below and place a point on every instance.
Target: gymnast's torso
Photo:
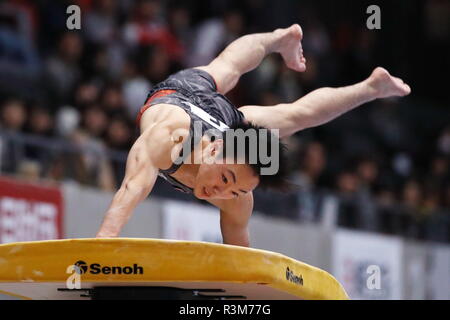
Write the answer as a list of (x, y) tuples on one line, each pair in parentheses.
[(179, 111)]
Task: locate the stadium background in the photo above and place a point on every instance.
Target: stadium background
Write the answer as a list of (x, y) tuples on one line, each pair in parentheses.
[(379, 174)]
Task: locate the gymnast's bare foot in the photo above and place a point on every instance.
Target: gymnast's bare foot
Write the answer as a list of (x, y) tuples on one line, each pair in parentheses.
[(290, 47), (385, 85)]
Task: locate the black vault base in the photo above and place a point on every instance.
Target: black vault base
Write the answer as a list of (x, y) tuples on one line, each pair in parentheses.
[(152, 293)]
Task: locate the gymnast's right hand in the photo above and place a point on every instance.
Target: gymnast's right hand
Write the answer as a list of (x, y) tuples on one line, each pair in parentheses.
[(105, 234)]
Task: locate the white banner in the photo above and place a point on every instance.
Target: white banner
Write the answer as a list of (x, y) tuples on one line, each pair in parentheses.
[(368, 265), (438, 273), (184, 221)]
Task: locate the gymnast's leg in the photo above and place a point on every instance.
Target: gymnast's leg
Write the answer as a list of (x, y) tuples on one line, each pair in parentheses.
[(317, 107), (325, 104)]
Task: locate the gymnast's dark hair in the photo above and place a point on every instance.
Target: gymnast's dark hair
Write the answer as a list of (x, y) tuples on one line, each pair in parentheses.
[(264, 138)]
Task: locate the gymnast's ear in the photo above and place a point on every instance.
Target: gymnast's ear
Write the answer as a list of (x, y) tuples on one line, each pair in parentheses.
[(216, 147), (212, 150)]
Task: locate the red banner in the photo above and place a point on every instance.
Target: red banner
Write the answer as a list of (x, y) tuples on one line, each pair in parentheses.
[(29, 212)]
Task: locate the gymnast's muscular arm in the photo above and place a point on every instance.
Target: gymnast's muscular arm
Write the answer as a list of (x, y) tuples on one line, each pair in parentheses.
[(140, 175), (234, 217), (246, 53)]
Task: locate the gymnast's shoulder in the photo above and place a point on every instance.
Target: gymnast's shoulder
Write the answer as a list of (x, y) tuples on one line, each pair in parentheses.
[(163, 133)]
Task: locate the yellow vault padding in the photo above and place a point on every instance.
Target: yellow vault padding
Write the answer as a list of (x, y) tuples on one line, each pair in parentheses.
[(36, 269)]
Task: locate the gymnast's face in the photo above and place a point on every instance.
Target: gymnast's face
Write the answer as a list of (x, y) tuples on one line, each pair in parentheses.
[(224, 181)]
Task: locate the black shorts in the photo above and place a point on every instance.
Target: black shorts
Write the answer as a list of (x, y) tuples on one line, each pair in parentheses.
[(197, 87)]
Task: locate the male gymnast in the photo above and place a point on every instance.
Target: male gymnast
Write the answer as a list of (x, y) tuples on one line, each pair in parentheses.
[(197, 95)]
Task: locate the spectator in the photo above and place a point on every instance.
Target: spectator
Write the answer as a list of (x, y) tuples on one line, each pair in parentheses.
[(111, 99), (19, 60), (86, 164), (367, 171), (63, 71), (439, 173), (179, 23), (157, 65), (411, 201), (12, 119), (86, 94), (445, 199), (443, 142), (29, 171), (101, 23), (95, 121), (147, 28), (67, 120), (392, 220), (356, 208), (40, 123), (346, 186), (13, 115), (119, 134), (213, 35), (311, 167), (135, 89), (119, 137)]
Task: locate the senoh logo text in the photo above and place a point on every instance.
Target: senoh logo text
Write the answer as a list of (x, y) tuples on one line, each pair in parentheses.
[(96, 268), (292, 277)]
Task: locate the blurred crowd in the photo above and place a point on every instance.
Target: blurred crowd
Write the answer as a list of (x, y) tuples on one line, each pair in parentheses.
[(69, 99)]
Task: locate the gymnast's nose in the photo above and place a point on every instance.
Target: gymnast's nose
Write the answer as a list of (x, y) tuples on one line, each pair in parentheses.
[(217, 190), (221, 190)]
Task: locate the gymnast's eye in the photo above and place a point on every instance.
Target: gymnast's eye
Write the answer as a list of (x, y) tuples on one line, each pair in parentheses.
[(224, 179)]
